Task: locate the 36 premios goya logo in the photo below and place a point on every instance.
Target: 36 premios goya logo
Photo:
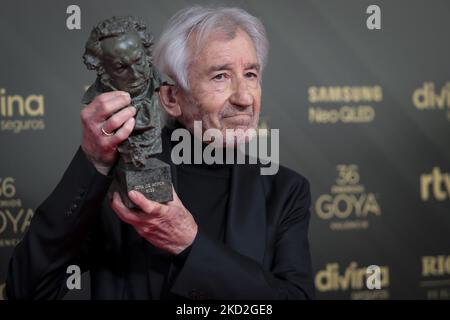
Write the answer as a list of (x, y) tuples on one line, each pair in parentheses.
[(348, 205), (14, 217)]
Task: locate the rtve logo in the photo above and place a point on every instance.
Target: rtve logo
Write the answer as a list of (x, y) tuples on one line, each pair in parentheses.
[(435, 183)]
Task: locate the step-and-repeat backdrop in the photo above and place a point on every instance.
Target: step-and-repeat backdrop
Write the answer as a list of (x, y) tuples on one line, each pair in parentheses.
[(363, 113)]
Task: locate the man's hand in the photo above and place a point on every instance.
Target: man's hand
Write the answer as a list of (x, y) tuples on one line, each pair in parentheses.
[(107, 111), (169, 227)]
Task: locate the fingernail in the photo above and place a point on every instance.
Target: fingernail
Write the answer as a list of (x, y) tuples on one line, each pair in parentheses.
[(133, 193)]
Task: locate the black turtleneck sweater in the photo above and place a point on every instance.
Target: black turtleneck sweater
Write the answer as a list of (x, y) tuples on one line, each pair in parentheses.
[(204, 191)]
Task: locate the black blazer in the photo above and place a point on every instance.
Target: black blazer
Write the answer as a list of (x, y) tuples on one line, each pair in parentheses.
[(265, 254)]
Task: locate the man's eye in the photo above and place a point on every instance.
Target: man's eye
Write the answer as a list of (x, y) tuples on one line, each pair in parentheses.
[(251, 75), (220, 76)]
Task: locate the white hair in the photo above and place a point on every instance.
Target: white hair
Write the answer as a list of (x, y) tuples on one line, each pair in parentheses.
[(171, 55)]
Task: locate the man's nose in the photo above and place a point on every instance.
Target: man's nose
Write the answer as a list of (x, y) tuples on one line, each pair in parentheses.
[(241, 95)]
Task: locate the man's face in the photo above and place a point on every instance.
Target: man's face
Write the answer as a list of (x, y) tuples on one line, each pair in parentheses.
[(125, 61), (225, 91)]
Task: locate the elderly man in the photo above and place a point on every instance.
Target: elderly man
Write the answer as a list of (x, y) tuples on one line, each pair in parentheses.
[(229, 233)]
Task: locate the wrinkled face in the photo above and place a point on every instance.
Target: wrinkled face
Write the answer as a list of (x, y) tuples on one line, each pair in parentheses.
[(225, 91), (125, 62)]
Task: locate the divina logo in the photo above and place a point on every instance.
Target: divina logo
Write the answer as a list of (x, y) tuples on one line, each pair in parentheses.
[(436, 182), (353, 277), (429, 98), (21, 113)]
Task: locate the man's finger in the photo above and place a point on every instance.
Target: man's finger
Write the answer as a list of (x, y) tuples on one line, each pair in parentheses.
[(123, 212), (174, 195), (104, 97), (104, 110), (146, 205), (124, 131), (175, 199), (118, 119)]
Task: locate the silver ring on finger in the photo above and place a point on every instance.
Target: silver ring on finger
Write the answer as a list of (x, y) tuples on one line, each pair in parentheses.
[(107, 133)]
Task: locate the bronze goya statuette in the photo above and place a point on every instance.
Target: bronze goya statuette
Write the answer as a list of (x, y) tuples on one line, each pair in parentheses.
[(119, 50)]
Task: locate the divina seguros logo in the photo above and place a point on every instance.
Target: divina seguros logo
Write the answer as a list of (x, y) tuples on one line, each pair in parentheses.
[(18, 113)]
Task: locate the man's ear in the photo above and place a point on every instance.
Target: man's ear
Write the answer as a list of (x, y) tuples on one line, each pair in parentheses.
[(168, 97)]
